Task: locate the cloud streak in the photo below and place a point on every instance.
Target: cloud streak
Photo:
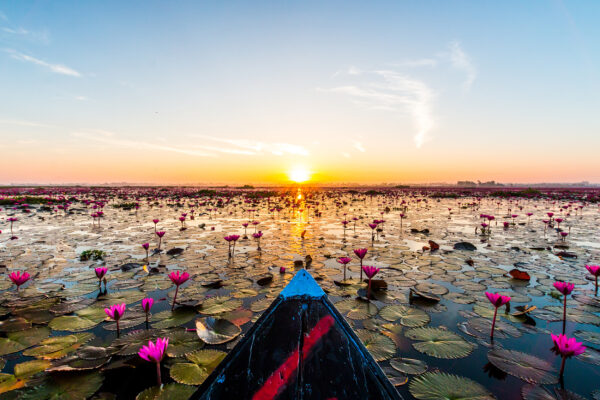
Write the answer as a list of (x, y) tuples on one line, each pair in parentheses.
[(56, 68), (252, 147), (392, 91), (461, 60)]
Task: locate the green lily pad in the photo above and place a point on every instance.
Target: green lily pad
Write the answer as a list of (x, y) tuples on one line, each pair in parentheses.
[(59, 346), (408, 316), (523, 366), (17, 341), (171, 319), (182, 342), (442, 386), (220, 304), (30, 368), (439, 343), (408, 365), (380, 346), (357, 309), (84, 319), (170, 391), (72, 386), (216, 330), (203, 362)]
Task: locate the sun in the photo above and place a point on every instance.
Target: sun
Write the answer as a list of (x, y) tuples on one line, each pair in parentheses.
[(299, 174)]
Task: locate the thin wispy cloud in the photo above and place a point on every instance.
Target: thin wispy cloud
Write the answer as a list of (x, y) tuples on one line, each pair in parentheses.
[(462, 61), (110, 138), (24, 123), (421, 62), (392, 91), (56, 68), (258, 148), (358, 146)]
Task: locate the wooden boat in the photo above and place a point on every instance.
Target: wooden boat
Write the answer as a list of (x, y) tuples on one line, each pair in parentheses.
[(300, 348)]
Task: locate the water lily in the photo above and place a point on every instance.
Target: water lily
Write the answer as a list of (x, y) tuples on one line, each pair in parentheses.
[(370, 272), (361, 253), (595, 271), (178, 279), (257, 236), (154, 352), (146, 246), (100, 273), (19, 278), (147, 306), (565, 288), (497, 301), (115, 312), (160, 235), (566, 348), (344, 261)]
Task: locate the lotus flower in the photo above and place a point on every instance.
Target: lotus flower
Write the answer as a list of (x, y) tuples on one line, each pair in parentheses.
[(115, 312), (344, 261), (155, 352), (147, 306), (595, 271), (257, 236), (100, 273), (566, 348), (160, 235), (19, 278), (178, 279), (361, 253), (370, 272), (565, 288), (497, 300), (146, 246)]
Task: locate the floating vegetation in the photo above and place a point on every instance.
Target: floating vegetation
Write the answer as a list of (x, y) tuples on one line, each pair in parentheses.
[(425, 319)]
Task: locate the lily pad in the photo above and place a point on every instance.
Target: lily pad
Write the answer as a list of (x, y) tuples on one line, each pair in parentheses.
[(171, 319), (408, 316), (523, 366), (442, 386), (216, 330), (167, 392), (439, 343), (408, 365), (17, 341), (380, 346), (220, 304), (201, 364)]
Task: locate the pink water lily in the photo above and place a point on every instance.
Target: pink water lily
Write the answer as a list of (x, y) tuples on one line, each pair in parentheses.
[(160, 235), (146, 246), (147, 306), (565, 288), (101, 273), (154, 352), (178, 279), (361, 253), (497, 301), (595, 271), (566, 348), (344, 261), (370, 272), (19, 278), (115, 312)]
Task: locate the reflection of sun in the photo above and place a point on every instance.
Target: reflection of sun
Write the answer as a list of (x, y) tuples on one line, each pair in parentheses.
[(299, 174)]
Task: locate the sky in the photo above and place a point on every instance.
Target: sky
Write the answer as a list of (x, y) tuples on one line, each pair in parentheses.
[(236, 92)]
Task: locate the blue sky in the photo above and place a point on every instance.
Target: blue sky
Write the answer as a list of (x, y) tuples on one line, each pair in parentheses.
[(180, 92)]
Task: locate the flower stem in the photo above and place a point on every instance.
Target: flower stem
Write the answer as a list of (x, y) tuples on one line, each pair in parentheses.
[(118, 331), (562, 366), (175, 298), (494, 323), (158, 380), (565, 314)]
